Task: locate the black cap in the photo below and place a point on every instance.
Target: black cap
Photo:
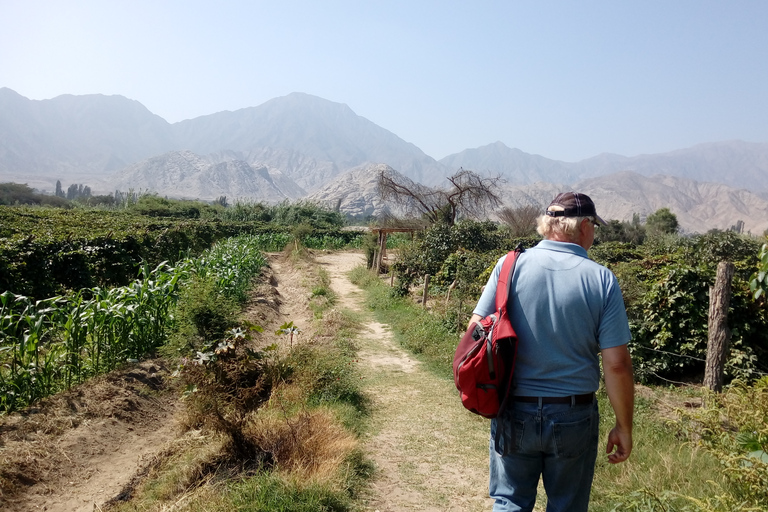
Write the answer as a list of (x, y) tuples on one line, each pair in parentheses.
[(573, 204)]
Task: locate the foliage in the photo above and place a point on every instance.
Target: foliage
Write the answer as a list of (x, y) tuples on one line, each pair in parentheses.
[(233, 263), (734, 427), (662, 221), (621, 231), (672, 322), (610, 253), (56, 343), (758, 283), (285, 213), (155, 206), (53, 344), (44, 252), (433, 246), (305, 212), (15, 194), (665, 283)]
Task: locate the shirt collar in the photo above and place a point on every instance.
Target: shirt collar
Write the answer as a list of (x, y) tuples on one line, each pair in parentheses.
[(566, 247)]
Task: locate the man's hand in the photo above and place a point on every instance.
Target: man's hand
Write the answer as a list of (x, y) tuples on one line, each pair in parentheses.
[(620, 385), (620, 440)]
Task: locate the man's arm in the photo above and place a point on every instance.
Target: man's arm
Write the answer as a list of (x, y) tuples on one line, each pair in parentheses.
[(475, 318), (620, 385)]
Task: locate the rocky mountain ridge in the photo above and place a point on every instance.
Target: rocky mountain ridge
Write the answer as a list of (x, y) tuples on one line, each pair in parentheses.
[(300, 146), (699, 206)]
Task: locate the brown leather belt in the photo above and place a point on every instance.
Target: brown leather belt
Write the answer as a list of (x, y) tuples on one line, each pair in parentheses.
[(586, 398)]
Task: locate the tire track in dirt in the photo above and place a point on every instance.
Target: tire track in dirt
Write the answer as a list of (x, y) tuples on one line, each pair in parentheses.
[(430, 454)]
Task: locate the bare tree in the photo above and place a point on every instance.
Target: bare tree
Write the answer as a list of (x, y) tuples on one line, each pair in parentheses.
[(521, 220), (469, 194)]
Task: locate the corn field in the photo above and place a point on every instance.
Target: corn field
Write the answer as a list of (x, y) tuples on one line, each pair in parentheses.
[(50, 345)]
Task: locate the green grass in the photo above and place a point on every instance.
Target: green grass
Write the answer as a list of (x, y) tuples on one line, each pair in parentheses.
[(666, 471)]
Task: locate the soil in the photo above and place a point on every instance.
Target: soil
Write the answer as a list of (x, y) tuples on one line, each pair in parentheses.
[(81, 449)]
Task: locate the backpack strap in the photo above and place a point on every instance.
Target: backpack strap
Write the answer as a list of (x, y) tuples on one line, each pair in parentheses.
[(503, 293), (505, 277)]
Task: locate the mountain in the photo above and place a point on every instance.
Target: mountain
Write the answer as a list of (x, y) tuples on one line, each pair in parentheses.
[(189, 175), (311, 139), (355, 192), (512, 164), (733, 163), (300, 146), (699, 206), (76, 134)]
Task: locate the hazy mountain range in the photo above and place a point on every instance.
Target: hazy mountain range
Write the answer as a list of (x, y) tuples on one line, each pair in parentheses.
[(300, 146)]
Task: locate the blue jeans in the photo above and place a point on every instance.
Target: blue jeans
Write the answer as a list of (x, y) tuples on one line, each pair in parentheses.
[(557, 442)]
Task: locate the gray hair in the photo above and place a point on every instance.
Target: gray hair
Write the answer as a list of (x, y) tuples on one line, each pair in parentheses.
[(560, 227)]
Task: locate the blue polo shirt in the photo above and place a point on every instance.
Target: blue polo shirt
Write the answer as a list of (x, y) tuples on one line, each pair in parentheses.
[(565, 308)]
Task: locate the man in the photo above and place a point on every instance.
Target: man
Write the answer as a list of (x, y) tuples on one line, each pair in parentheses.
[(565, 309)]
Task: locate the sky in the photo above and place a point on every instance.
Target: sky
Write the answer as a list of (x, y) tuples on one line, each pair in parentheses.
[(563, 79)]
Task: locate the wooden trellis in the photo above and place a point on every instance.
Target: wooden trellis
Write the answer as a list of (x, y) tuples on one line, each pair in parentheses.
[(381, 246)]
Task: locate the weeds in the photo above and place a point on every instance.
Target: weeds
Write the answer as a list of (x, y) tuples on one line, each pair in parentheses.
[(287, 411)]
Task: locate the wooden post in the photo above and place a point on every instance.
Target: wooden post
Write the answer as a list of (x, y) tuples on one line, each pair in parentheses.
[(377, 255), (450, 289), (426, 291), (382, 247), (719, 334), (391, 278)]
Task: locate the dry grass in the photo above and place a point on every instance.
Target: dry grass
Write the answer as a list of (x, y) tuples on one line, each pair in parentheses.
[(309, 446)]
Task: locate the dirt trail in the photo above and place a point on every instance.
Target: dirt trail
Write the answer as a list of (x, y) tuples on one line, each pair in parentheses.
[(105, 434), (430, 453)]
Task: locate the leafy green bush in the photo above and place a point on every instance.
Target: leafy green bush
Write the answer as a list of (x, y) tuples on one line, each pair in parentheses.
[(16, 193), (429, 251), (155, 206)]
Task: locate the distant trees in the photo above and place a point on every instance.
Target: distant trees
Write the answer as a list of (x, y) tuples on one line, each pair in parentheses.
[(468, 194), (17, 193), (662, 221), (623, 231), (521, 221), (76, 191)]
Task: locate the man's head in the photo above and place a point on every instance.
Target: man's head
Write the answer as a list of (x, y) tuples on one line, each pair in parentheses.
[(570, 217)]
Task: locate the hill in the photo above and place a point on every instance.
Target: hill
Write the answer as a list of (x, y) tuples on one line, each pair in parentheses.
[(732, 163), (300, 146), (698, 206)]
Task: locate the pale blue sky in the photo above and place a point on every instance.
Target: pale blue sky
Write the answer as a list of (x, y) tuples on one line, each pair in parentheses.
[(563, 79)]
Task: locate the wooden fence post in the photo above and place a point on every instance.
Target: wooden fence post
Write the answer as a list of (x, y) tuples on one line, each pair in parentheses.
[(719, 335), (450, 289), (426, 290), (382, 247)]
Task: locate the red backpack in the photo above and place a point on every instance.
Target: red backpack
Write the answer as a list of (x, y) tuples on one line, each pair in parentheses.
[(485, 358)]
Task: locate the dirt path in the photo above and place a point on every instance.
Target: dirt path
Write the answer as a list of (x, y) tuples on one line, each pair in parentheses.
[(82, 448), (430, 453)]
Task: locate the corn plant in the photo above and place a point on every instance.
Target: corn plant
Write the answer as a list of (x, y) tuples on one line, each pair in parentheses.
[(233, 263), (56, 343), (49, 345)]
